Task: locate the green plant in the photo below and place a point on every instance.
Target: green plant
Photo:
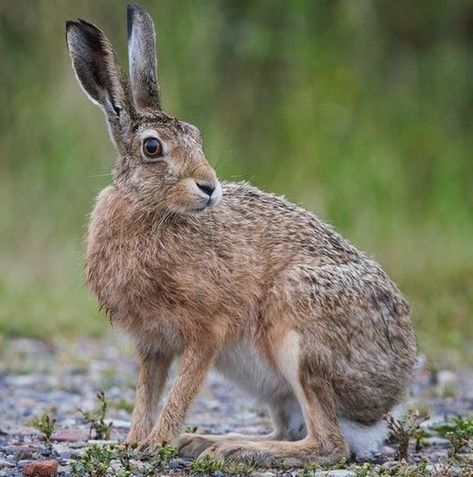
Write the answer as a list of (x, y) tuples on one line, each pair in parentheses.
[(459, 431), (403, 430), (125, 454), (366, 470), (341, 464), (165, 454), (207, 465), (419, 435), (96, 419), (310, 469), (398, 470), (95, 462), (46, 425), (122, 404), (190, 429)]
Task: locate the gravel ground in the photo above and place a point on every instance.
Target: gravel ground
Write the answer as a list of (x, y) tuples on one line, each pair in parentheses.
[(59, 379)]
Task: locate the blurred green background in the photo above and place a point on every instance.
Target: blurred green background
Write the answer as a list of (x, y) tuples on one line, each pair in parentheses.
[(361, 111)]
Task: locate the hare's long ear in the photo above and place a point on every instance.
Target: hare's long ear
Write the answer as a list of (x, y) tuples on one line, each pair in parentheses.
[(100, 75), (142, 58)]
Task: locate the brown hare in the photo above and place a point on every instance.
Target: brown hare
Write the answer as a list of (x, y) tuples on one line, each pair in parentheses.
[(224, 275)]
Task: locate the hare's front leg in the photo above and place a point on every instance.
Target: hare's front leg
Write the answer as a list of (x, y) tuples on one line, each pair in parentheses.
[(152, 376), (195, 363)]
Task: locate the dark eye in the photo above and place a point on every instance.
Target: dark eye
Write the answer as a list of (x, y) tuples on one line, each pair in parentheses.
[(152, 147)]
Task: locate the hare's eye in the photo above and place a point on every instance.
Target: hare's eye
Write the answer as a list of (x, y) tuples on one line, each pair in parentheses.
[(152, 147)]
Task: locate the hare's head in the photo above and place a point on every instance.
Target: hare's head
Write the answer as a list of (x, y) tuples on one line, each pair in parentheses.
[(161, 163)]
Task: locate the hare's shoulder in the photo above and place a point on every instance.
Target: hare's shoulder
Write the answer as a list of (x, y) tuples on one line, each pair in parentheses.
[(287, 228)]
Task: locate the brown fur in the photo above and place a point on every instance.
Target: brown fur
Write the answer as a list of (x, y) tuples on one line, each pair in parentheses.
[(258, 287)]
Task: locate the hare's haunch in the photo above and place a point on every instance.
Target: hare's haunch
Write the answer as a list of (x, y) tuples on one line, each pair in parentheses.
[(228, 276)]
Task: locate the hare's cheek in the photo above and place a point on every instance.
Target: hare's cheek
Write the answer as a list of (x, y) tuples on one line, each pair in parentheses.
[(185, 197)]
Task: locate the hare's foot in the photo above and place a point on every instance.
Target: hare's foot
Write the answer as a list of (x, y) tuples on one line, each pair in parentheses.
[(192, 445), (278, 453), (139, 432)]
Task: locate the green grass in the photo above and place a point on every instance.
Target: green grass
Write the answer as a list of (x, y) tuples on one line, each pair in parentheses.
[(362, 115)]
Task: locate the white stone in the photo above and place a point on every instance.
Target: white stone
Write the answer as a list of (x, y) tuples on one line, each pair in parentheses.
[(446, 378), (334, 473)]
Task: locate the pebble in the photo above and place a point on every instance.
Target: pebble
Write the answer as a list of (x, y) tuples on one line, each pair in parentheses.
[(447, 378), (436, 441), (67, 436), (118, 424), (334, 473), (42, 468)]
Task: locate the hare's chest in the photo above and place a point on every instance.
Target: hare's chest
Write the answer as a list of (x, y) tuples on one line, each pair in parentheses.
[(117, 273), (121, 264)]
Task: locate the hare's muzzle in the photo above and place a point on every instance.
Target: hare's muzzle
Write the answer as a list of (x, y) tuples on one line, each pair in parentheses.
[(209, 191)]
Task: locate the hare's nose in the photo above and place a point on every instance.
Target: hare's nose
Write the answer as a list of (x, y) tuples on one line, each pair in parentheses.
[(206, 188)]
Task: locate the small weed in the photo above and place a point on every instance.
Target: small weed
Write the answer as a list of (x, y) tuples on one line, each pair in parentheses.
[(398, 470), (165, 454), (420, 435), (310, 469), (341, 464), (121, 461), (190, 429), (96, 419), (123, 404), (46, 425), (125, 454), (449, 391), (366, 470), (207, 465), (459, 431), (95, 462), (403, 430)]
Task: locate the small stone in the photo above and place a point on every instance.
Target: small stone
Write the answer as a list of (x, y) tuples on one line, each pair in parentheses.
[(446, 378), (42, 468), (436, 442), (388, 451), (67, 436), (335, 473), (5, 463), (103, 442), (177, 464), (118, 424), (62, 451), (22, 452), (439, 469)]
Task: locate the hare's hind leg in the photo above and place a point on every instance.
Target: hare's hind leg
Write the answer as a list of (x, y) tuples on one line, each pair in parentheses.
[(288, 425), (323, 442)]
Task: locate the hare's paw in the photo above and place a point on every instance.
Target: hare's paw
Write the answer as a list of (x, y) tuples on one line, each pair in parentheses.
[(138, 434), (240, 452), (192, 445)]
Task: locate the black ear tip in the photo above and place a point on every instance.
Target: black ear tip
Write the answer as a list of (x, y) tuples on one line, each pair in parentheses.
[(70, 24), (130, 12), (132, 9), (135, 10)]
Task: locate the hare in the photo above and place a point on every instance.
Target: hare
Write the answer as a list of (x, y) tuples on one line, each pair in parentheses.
[(224, 275)]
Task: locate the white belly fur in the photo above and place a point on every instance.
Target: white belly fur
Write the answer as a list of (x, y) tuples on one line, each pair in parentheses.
[(241, 363)]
